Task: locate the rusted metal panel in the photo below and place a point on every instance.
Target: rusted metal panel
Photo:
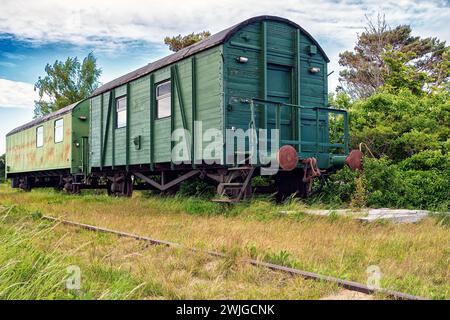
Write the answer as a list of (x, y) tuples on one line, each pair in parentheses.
[(23, 154)]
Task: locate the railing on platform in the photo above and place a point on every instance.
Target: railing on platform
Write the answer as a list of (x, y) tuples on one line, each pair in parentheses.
[(297, 141)]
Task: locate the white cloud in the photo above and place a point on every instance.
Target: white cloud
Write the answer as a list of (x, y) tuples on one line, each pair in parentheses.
[(89, 22), (113, 25), (14, 94)]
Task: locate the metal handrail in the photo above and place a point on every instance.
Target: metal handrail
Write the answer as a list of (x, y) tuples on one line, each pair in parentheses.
[(299, 109)]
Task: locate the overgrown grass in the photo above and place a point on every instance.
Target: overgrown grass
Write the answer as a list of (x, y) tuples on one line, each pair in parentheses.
[(413, 258), (29, 272), (35, 255)]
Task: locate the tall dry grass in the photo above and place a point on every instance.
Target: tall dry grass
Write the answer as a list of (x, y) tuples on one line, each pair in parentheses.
[(413, 258)]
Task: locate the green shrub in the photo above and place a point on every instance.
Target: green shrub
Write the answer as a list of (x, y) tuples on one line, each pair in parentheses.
[(425, 189), (196, 188), (385, 184), (400, 125), (427, 160), (339, 189), (382, 183)]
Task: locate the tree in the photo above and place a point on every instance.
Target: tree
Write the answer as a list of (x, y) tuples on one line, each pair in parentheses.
[(399, 74), (66, 83), (179, 42), (400, 124), (366, 68), (2, 167)]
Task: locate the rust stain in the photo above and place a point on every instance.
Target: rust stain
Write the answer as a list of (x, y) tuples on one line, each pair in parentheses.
[(66, 152), (51, 153)]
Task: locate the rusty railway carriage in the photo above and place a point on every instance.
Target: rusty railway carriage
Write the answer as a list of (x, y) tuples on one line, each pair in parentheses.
[(50, 151), (266, 72)]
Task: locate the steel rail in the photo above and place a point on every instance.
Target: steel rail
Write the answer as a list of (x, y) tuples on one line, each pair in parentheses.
[(349, 285)]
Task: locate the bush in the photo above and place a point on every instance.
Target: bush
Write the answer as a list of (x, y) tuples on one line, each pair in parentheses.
[(382, 183), (385, 184), (196, 188), (410, 133), (401, 125), (339, 188), (427, 160)]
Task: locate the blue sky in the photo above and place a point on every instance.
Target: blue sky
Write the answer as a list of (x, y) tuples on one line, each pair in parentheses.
[(125, 35)]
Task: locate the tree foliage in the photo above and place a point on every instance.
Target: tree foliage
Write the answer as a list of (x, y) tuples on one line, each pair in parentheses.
[(179, 42), (381, 50), (66, 83), (2, 167), (401, 124), (409, 133), (400, 108)]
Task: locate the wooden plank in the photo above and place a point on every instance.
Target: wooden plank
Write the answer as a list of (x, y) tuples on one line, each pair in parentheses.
[(172, 112), (113, 129), (152, 110), (108, 120), (179, 96), (101, 129), (127, 128), (299, 112), (194, 108)]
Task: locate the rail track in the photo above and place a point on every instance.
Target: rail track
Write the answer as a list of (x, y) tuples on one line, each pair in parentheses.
[(349, 285)]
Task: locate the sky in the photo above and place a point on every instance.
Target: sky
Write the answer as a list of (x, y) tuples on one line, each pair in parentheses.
[(126, 35)]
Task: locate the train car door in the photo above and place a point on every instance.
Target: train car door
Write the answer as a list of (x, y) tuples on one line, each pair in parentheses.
[(279, 90)]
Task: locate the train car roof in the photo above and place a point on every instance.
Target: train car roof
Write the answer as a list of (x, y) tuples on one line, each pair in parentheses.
[(45, 118), (212, 41)]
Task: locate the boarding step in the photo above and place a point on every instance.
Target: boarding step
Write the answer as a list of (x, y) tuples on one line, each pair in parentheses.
[(240, 168), (231, 185)]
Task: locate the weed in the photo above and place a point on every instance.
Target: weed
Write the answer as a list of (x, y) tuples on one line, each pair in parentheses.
[(442, 219)]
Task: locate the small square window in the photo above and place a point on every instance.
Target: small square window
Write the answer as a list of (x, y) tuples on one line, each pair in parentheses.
[(163, 100), (59, 130), (121, 108), (39, 136)]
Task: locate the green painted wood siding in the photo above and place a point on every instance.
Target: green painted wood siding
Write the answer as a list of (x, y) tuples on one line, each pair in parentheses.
[(80, 136), (274, 43), (209, 110)]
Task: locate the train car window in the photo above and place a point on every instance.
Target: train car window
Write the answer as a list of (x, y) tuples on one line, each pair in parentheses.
[(59, 130), (163, 100), (39, 136), (121, 107)]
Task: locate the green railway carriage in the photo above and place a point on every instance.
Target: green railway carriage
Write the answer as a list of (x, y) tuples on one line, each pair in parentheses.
[(46, 150), (265, 72)]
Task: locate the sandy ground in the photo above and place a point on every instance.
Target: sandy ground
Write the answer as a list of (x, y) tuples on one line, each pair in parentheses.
[(348, 295)]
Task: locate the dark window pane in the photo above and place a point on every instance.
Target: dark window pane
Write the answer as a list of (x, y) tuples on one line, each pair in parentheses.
[(163, 89)]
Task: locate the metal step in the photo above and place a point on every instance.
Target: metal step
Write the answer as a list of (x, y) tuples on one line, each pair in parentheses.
[(231, 185), (240, 168)]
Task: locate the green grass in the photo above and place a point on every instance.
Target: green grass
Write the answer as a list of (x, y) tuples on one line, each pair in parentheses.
[(413, 258)]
